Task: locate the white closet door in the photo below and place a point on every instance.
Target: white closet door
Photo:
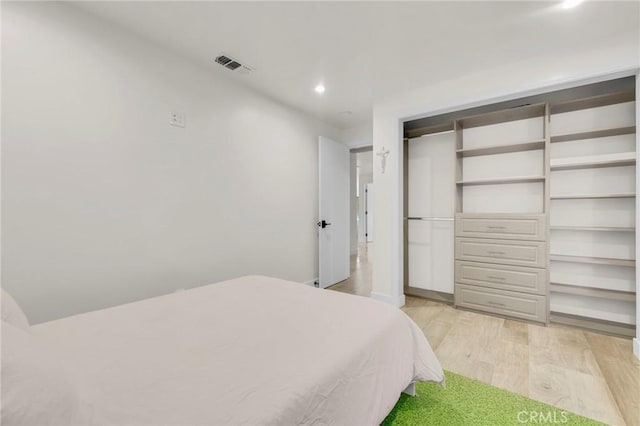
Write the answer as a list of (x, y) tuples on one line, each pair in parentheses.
[(431, 255), (431, 209), (431, 177)]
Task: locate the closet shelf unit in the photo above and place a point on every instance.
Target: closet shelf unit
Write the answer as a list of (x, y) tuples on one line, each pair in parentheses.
[(573, 300), (501, 248), (545, 205)]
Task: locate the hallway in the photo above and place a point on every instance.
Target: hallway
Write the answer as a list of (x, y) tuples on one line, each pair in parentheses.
[(359, 282)]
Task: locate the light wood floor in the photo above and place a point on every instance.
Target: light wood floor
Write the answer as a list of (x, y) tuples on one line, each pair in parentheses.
[(587, 373)]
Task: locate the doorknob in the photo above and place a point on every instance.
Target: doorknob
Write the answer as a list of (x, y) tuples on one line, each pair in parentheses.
[(323, 224)]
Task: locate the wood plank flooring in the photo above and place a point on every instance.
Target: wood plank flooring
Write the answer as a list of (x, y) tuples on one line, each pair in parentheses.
[(591, 374)]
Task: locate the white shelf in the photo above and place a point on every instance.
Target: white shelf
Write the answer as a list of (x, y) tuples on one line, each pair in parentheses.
[(615, 311), (594, 161), (594, 134), (511, 114), (429, 130), (593, 260), (592, 292), (501, 149), (496, 181), (593, 228), (593, 196), (593, 101)]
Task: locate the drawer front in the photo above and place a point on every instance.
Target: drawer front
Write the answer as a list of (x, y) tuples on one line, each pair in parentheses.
[(527, 306), (519, 253), (518, 227), (514, 278)]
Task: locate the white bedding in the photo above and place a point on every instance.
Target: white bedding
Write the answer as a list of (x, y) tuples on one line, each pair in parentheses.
[(249, 351)]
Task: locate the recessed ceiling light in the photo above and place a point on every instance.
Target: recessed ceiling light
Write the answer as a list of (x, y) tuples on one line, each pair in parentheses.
[(570, 4), (320, 88)]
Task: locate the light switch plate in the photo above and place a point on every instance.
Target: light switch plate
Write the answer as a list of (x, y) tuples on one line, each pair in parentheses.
[(177, 119)]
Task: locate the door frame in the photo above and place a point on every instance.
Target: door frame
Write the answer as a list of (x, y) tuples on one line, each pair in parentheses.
[(367, 148)]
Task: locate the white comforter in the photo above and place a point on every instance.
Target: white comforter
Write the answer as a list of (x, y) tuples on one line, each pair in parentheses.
[(253, 350)]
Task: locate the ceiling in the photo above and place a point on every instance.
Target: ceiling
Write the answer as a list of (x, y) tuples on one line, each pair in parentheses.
[(364, 51)]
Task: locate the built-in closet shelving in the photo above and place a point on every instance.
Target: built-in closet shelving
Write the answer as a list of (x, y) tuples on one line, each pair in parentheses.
[(592, 214), (545, 205), (501, 236)]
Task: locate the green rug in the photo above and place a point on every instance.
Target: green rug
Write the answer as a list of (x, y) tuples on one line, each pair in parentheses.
[(470, 402)]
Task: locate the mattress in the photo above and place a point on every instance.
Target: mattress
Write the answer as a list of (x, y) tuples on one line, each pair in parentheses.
[(253, 350)]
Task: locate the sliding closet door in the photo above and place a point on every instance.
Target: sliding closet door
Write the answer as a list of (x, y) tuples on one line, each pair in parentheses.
[(430, 212)]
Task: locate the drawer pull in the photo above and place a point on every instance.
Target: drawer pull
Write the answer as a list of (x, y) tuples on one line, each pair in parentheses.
[(497, 253), (495, 303), (491, 277), (492, 227)]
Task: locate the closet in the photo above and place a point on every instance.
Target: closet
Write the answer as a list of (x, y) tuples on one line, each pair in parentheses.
[(542, 192)]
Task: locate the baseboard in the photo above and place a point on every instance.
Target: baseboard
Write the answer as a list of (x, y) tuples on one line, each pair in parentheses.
[(636, 347), (397, 301), (311, 283), (429, 294)]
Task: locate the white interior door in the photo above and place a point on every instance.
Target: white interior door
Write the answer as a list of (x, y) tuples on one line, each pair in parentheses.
[(369, 197), (333, 216)]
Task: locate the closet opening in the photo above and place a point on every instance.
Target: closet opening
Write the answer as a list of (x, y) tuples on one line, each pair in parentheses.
[(527, 208)]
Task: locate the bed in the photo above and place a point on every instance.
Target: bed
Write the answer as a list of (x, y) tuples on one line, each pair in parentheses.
[(248, 351)]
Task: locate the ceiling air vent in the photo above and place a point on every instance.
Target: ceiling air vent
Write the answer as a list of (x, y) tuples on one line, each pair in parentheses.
[(231, 64)]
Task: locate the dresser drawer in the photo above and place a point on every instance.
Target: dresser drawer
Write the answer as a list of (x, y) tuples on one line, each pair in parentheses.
[(517, 226), (527, 306), (514, 278), (519, 253)]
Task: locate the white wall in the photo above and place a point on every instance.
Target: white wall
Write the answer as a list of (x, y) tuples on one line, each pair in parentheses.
[(105, 203), (358, 136), (503, 81)]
